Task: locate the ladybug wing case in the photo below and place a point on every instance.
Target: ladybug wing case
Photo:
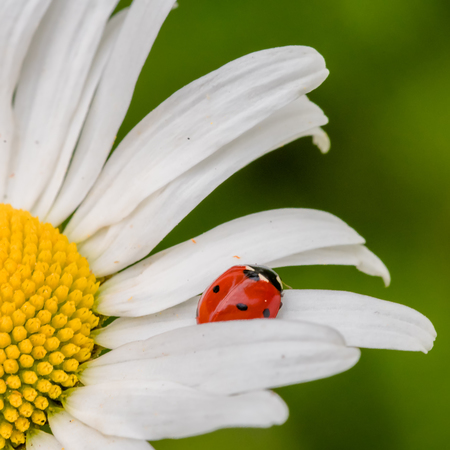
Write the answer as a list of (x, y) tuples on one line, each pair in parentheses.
[(236, 295)]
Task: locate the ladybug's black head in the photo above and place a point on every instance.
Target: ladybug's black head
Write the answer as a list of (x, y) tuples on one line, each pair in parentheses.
[(256, 272)]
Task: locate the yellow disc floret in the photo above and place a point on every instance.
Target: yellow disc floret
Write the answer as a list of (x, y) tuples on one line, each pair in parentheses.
[(46, 298)]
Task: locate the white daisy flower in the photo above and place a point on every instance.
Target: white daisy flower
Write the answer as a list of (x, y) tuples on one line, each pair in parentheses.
[(66, 80)]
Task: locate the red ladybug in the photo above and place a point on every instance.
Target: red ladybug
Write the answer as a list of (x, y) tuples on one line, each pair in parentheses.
[(242, 292)]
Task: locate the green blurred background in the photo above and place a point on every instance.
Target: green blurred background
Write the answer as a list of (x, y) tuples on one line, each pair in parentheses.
[(387, 175)]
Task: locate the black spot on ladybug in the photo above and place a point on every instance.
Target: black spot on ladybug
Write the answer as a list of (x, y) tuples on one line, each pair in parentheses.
[(242, 307), (266, 312), (196, 313), (216, 289), (281, 304)]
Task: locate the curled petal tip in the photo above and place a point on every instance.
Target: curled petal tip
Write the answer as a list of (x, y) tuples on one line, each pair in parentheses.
[(322, 140)]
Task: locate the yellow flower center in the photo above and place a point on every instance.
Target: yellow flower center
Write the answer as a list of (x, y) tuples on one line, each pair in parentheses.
[(46, 298)]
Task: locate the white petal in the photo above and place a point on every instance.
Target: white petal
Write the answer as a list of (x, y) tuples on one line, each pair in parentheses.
[(321, 139), (130, 329), (75, 435), (191, 125), (38, 440), (353, 255), (229, 357), (111, 102), (119, 245), (6, 139), (50, 192), (161, 409), (180, 272), (18, 22), (50, 85), (363, 321)]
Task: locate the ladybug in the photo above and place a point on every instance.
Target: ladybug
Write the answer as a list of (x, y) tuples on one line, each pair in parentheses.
[(242, 292)]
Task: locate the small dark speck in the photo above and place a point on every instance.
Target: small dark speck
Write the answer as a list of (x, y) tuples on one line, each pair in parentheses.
[(189, 139), (216, 289), (242, 307), (266, 312), (4, 140)]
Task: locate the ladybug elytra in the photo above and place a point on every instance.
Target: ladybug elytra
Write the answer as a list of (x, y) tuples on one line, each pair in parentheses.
[(242, 292)]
